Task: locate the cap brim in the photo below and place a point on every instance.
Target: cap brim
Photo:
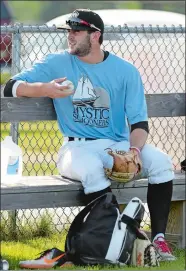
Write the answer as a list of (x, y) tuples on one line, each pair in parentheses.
[(74, 27)]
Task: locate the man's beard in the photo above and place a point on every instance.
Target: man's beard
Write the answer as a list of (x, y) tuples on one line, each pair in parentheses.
[(83, 48)]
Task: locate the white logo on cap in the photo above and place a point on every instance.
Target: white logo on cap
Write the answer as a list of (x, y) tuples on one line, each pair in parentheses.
[(75, 14)]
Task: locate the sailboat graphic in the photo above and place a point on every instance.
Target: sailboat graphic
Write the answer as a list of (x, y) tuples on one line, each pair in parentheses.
[(85, 94)]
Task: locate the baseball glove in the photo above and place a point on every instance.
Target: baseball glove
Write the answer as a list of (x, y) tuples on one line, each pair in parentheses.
[(126, 166), (144, 254)]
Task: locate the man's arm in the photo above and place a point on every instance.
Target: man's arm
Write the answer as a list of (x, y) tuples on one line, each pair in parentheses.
[(136, 110), (39, 81), (139, 134), (138, 138), (39, 89)]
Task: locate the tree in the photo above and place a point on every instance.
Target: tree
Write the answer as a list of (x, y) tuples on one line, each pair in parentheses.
[(26, 11), (173, 6), (57, 8), (39, 12)]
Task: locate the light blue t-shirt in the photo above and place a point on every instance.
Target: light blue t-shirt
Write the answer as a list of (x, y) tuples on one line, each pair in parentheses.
[(106, 95)]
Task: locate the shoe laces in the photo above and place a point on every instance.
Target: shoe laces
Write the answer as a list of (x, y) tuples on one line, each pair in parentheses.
[(43, 253), (163, 245)]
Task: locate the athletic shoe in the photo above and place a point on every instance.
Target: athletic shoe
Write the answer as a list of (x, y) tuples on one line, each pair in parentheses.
[(163, 250), (66, 265), (47, 259)]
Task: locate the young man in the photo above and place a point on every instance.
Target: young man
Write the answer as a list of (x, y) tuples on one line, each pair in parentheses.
[(108, 91)]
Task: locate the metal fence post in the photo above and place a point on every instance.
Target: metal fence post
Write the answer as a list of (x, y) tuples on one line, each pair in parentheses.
[(14, 126), (16, 51)]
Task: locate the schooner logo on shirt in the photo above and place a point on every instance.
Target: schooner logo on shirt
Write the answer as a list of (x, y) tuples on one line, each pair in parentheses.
[(91, 105)]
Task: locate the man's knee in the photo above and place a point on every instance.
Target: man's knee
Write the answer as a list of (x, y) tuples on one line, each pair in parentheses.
[(84, 166), (157, 164), (154, 155)]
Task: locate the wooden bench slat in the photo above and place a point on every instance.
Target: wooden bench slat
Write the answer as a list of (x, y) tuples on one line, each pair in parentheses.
[(54, 191), (35, 200), (51, 183), (38, 109), (68, 198)]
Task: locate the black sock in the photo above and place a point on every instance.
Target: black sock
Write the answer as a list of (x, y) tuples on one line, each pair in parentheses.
[(159, 200)]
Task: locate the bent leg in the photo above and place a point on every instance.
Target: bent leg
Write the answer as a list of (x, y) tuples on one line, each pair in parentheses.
[(83, 165), (159, 201)]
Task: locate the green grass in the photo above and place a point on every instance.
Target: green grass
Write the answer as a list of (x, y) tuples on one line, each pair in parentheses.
[(28, 249)]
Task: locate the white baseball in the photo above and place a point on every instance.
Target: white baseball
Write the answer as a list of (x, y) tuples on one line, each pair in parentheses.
[(68, 83)]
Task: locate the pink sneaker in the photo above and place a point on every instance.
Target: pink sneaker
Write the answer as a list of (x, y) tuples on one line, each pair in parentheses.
[(163, 250)]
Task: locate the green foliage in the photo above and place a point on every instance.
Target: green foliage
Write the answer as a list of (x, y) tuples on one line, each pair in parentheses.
[(26, 11), (12, 228), (36, 12), (129, 5), (173, 6), (4, 77), (180, 7)]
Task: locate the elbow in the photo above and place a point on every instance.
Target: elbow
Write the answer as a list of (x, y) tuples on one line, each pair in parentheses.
[(8, 88)]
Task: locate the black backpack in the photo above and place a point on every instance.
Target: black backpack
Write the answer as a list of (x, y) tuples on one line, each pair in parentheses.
[(100, 234)]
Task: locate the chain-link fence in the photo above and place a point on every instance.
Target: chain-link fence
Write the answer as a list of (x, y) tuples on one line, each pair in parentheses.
[(158, 53)]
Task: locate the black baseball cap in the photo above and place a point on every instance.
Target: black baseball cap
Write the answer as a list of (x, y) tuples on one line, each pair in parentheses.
[(84, 19)]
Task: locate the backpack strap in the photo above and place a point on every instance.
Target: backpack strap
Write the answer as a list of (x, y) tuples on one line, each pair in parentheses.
[(77, 222), (131, 222)]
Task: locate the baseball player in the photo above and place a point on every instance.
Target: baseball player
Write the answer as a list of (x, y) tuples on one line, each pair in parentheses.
[(104, 118)]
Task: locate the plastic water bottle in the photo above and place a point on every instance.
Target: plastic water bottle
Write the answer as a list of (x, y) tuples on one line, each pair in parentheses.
[(4, 265), (11, 159)]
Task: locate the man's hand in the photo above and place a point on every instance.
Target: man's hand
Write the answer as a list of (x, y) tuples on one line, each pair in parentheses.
[(126, 165), (53, 89)]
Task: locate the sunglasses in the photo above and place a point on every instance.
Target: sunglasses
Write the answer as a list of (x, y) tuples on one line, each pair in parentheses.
[(79, 22)]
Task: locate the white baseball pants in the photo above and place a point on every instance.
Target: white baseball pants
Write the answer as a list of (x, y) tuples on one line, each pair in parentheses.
[(84, 161)]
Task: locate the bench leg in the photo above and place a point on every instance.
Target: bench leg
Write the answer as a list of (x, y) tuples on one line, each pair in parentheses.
[(176, 221)]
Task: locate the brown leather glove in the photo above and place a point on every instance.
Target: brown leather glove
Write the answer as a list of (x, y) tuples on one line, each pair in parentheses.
[(126, 165), (144, 254)]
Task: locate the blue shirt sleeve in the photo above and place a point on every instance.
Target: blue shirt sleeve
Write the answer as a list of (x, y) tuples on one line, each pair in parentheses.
[(135, 101), (41, 71)]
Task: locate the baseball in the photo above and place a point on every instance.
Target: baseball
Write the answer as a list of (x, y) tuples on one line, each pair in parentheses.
[(69, 84)]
